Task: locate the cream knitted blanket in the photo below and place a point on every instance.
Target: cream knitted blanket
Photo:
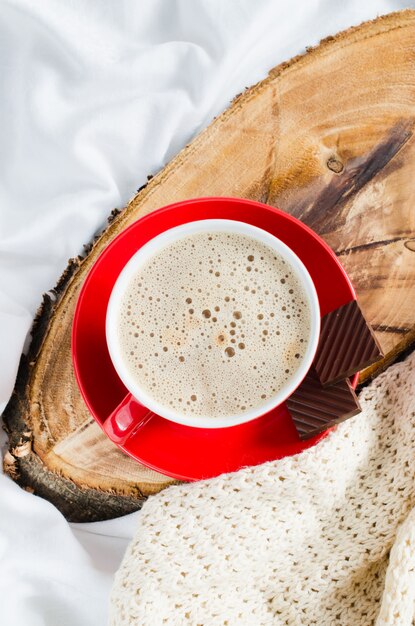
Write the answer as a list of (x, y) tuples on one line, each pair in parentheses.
[(326, 537)]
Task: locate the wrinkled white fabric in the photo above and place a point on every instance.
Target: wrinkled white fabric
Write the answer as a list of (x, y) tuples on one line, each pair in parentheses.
[(93, 97), (53, 573)]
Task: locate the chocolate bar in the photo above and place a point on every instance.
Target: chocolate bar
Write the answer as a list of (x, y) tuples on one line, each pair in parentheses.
[(347, 344), (315, 408)]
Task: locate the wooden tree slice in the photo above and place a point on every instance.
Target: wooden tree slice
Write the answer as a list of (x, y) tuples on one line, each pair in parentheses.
[(327, 137)]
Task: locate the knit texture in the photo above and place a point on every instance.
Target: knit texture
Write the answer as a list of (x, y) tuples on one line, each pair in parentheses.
[(301, 541)]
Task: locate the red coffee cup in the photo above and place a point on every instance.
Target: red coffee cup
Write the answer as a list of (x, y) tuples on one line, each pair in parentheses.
[(139, 406)]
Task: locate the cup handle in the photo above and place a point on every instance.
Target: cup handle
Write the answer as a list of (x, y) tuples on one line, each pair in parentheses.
[(128, 417)]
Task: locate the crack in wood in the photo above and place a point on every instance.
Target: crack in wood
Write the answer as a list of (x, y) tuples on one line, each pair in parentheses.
[(368, 246), (272, 156), (391, 329)]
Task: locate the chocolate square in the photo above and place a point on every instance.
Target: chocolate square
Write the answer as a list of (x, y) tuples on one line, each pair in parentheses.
[(347, 344), (315, 408)]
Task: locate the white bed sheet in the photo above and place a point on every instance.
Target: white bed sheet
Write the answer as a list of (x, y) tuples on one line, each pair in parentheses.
[(93, 97)]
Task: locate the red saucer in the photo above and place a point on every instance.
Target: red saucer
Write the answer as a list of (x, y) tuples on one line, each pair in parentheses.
[(179, 451)]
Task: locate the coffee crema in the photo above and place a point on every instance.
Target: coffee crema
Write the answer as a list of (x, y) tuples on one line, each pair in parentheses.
[(214, 324)]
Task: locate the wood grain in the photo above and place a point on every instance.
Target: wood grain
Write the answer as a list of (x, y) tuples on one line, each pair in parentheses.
[(327, 137)]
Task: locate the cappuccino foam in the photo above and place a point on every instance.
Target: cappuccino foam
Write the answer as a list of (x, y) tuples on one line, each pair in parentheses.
[(214, 324)]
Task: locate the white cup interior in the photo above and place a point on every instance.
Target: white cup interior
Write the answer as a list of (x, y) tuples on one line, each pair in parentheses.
[(155, 245)]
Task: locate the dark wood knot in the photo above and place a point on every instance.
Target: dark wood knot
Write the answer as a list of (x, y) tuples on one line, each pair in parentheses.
[(335, 165)]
